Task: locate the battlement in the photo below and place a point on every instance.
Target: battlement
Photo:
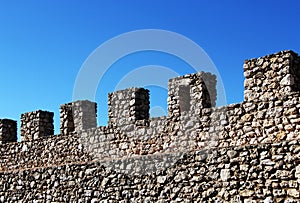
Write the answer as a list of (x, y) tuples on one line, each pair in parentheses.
[(271, 77), (191, 92), (254, 139), (270, 111)]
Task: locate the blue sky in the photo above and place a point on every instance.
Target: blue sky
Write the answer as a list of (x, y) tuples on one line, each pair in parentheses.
[(43, 44)]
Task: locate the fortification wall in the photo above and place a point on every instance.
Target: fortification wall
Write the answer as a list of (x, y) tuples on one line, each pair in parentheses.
[(250, 150), (234, 125), (253, 173)]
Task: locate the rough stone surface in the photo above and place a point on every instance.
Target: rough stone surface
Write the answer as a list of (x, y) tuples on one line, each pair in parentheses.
[(130, 106), (189, 180), (272, 76), (77, 116), (8, 131), (245, 152), (66, 119), (36, 124)]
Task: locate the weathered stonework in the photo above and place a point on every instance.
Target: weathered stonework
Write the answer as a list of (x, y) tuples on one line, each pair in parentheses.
[(272, 76), (77, 116), (130, 106), (245, 152), (192, 92), (8, 131), (66, 119), (252, 173), (36, 124)]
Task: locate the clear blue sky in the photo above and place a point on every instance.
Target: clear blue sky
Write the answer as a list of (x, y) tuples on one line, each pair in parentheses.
[(44, 43)]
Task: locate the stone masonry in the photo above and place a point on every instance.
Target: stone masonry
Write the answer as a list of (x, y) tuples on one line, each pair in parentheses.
[(8, 131), (36, 124), (130, 106), (76, 116), (244, 152)]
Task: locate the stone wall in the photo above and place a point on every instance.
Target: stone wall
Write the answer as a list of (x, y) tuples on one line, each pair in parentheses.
[(252, 173), (233, 125), (245, 152), (55, 150)]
